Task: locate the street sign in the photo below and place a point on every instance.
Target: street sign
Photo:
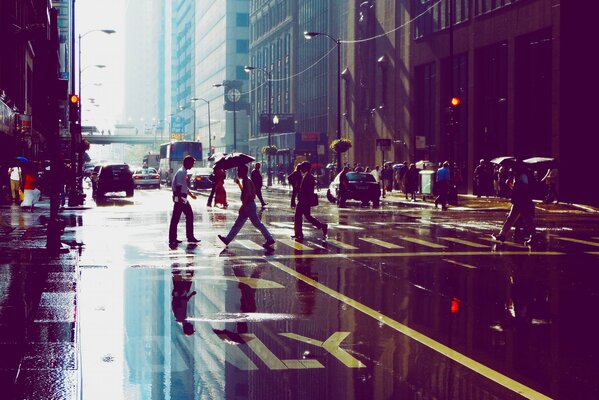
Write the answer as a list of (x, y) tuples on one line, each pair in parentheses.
[(383, 142)]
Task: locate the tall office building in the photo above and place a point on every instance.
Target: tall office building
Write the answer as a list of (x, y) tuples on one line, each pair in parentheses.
[(221, 52), (144, 65)]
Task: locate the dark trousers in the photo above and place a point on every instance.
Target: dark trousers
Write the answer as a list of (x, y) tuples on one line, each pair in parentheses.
[(293, 195), (211, 195), (303, 210), (259, 195), (179, 208), (442, 190)]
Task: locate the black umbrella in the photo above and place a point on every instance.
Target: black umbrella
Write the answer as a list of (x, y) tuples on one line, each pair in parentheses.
[(541, 162), (216, 156), (233, 160), (503, 160)]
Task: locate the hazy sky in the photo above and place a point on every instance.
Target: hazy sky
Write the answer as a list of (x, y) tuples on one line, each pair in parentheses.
[(98, 48)]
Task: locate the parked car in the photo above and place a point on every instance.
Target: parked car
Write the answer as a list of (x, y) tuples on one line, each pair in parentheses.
[(362, 186), (112, 178), (199, 178), (146, 177)]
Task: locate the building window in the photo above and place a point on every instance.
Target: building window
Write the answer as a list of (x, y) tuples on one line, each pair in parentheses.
[(435, 15), (242, 19), (243, 46), (424, 112)]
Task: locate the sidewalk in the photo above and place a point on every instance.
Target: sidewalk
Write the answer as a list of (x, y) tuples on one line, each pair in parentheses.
[(466, 202), (37, 309)]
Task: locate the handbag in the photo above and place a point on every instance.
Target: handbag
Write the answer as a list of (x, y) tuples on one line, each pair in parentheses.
[(21, 195)]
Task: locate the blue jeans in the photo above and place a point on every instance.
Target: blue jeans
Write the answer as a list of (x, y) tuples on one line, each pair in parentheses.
[(248, 211)]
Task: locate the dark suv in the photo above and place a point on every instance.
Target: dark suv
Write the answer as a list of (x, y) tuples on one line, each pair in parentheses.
[(362, 186), (112, 178)]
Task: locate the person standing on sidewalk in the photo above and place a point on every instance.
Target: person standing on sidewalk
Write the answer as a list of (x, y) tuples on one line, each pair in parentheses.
[(442, 182), (181, 204), (247, 210), (306, 199), (377, 176), (550, 180), (212, 179), (256, 177), (15, 184), (387, 178)]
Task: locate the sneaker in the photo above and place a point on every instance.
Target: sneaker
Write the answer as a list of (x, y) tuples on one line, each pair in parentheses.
[(498, 237), (325, 229), (264, 205), (193, 240), (223, 239), (297, 237), (268, 244)]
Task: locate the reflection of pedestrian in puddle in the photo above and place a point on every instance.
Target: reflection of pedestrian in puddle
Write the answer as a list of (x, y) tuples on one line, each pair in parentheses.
[(247, 304), (182, 281)]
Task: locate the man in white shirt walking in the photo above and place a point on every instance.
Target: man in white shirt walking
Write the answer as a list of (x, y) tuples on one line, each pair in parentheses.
[(181, 205), (15, 183)]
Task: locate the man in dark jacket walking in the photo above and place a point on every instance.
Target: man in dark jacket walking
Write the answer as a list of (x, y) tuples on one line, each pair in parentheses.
[(256, 178), (306, 199)]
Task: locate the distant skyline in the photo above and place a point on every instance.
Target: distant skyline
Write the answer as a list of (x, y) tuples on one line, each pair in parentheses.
[(98, 48)]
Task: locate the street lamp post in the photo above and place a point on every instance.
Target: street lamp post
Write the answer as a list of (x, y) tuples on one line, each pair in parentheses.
[(248, 69), (233, 95), (76, 194), (209, 129), (310, 35)]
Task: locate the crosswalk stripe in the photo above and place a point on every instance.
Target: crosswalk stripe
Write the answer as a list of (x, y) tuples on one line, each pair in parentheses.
[(248, 244), (577, 241), (294, 244), (346, 227), (424, 243), (381, 243), (281, 224), (520, 246), (465, 242), (341, 245), (459, 263)]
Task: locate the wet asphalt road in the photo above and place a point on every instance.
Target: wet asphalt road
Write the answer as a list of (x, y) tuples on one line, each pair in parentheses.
[(397, 303)]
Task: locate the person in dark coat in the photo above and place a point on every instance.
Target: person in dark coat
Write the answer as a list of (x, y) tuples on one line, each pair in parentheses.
[(411, 182), (294, 178), (305, 201), (256, 178)]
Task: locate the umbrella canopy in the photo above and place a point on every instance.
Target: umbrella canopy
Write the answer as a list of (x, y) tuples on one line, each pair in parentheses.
[(503, 160), (541, 162), (216, 156), (233, 160)]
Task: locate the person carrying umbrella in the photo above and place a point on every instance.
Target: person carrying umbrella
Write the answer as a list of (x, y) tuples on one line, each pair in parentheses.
[(247, 210)]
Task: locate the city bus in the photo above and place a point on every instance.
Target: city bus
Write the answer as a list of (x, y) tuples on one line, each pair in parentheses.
[(172, 155)]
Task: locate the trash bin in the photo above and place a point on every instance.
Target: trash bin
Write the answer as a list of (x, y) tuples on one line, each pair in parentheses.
[(427, 183)]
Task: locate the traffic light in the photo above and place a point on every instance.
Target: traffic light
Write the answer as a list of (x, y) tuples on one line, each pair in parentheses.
[(74, 109), (454, 112)]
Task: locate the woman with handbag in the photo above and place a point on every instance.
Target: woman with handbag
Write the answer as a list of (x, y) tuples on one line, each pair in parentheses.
[(306, 199)]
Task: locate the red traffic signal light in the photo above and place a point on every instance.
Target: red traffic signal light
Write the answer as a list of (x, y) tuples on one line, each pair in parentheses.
[(455, 101), (73, 99)]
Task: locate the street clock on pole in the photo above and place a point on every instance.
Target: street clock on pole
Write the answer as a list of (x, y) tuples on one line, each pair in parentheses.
[(233, 95)]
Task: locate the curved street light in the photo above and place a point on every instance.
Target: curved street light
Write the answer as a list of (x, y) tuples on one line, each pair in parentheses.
[(310, 35), (249, 69), (209, 130)]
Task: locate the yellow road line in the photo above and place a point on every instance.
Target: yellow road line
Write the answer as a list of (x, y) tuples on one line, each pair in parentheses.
[(465, 242), (448, 352), (459, 263), (577, 241), (423, 242), (381, 243), (395, 254), (341, 244)]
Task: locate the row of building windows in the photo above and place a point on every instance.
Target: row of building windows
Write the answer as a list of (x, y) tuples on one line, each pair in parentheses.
[(433, 16), (271, 17)]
